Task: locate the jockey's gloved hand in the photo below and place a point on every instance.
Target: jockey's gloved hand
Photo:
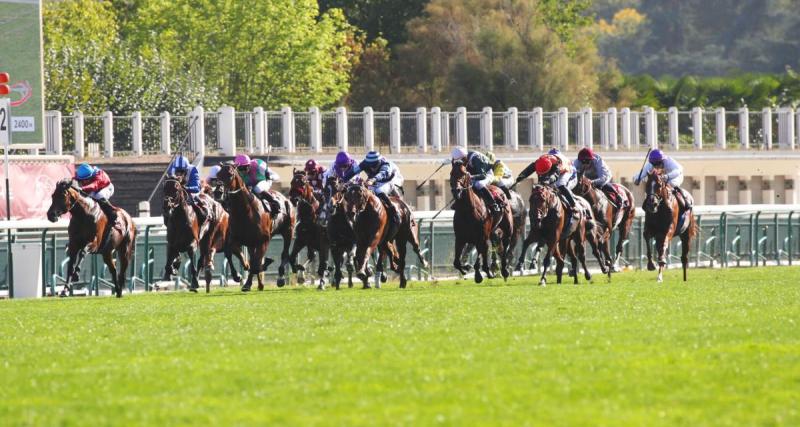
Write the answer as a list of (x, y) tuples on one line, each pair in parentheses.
[(370, 182)]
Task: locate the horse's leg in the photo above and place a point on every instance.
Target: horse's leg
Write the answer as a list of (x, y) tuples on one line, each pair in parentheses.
[(78, 260), (192, 270), (254, 268), (460, 243), (686, 244), (362, 255), (561, 249), (322, 268), (580, 250), (108, 258), (401, 260), (125, 256), (412, 238), (338, 258), (661, 247), (208, 265), (536, 250), (75, 254), (525, 244), (169, 268), (624, 231), (349, 255), (287, 242), (551, 248), (647, 242), (483, 257)]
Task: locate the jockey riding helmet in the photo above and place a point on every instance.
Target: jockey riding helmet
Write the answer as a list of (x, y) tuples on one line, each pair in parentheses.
[(656, 157), (490, 155), (181, 164), (311, 166), (343, 160), (543, 165), (458, 153), (85, 171), (241, 161), (553, 152), (586, 155)]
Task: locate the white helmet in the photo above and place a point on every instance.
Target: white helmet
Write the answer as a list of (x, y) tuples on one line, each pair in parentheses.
[(212, 173), (458, 153)]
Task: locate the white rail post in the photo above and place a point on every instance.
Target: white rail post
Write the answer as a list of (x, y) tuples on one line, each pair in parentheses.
[(588, 128), (198, 131), (394, 130), (80, 142), (54, 126), (447, 117), (697, 127), (369, 129), (674, 136), (797, 128), (436, 129), (722, 142), (422, 130), (744, 127), (108, 133), (227, 130), (486, 129), (461, 127), (166, 132), (563, 129), (604, 130), (625, 128), (512, 138), (287, 129), (260, 133), (651, 127), (315, 130), (613, 141), (580, 134), (766, 121), (789, 129), (136, 133), (537, 129)]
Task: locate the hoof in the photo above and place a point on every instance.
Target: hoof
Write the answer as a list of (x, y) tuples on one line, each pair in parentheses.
[(478, 278), (366, 286), (281, 282), (321, 287), (587, 275), (384, 278), (615, 268), (245, 288), (651, 266), (260, 287), (543, 283)]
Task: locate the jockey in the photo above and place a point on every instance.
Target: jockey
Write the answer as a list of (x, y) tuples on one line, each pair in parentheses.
[(384, 179), (594, 167), (502, 174), (315, 174), (258, 178), (672, 171), (554, 170), (482, 174), (188, 175), (212, 175), (96, 183), (344, 168)]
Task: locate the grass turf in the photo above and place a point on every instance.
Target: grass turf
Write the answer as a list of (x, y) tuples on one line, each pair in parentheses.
[(723, 350)]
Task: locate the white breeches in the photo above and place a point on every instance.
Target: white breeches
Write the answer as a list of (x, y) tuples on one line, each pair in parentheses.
[(262, 186), (105, 193)]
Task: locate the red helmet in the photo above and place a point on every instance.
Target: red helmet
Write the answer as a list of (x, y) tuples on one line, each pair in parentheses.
[(543, 165), (586, 154), (311, 165)]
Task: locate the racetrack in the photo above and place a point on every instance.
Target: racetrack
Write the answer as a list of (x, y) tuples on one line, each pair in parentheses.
[(723, 349)]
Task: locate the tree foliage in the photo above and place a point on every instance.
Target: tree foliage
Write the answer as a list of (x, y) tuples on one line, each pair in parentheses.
[(379, 18)]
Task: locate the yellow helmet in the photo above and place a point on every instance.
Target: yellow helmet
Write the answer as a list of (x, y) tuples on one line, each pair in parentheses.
[(491, 157)]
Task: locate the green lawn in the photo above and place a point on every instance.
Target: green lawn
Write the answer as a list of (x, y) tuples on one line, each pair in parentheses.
[(722, 350)]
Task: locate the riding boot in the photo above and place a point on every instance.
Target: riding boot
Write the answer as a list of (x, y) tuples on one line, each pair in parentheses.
[(568, 197), (491, 203), (394, 216), (611, 194), (684, 199), (111, 215), (274, 207)]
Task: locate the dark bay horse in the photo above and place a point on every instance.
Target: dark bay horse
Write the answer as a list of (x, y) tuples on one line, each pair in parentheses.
[(663, 220), (86, 233), (370, 222), (549, 217), (609, 216), (283, 225), (309, 233), (185, 234), (250, 224), (340, 234), (474, 223)]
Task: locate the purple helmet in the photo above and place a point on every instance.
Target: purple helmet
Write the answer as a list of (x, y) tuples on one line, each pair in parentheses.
[(553, 151), (343, 160), (655, 156)]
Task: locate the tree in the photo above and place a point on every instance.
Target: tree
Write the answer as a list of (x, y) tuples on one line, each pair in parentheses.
[(269, 53), (500, 53), (379, 18)]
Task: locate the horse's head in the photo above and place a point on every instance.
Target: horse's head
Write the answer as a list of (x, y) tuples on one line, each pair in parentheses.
[(229, 177), (584, 185), (542, 200), (459, 178), (656, 191), (356, 197), (63, 199), (299, 187), (174, 195)]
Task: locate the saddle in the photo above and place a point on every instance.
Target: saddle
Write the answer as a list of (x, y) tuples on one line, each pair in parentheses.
[(498, 195), (616, 196)]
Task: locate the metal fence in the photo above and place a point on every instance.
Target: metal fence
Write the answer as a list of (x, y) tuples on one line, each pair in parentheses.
[(730, 236)]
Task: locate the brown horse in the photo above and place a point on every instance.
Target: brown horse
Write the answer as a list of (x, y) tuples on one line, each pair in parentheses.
[(185, 234), (564, 234), (250, 223), (609, 217), (86, 233), (473, 223), (371, 225), (308, 231), (283, 225), (663, 220), (340, 235)]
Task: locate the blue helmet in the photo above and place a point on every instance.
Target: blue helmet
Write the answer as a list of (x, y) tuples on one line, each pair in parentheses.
[(656, 156), (85, 171), (372, 158), (553, 151), (180, 163)]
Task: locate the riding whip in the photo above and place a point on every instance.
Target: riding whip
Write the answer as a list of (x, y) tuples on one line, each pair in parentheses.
[(431, 176), (177, 152), (443, 208), (638, 180)]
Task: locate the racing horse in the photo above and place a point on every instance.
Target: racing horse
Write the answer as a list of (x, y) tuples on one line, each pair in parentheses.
[(340, 234), (473, 223), (250, 223), (283, 225), (371, 224), (553, 225), (663, 220), (309, 233), (609, 215), (86, 234), (185, 234)]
